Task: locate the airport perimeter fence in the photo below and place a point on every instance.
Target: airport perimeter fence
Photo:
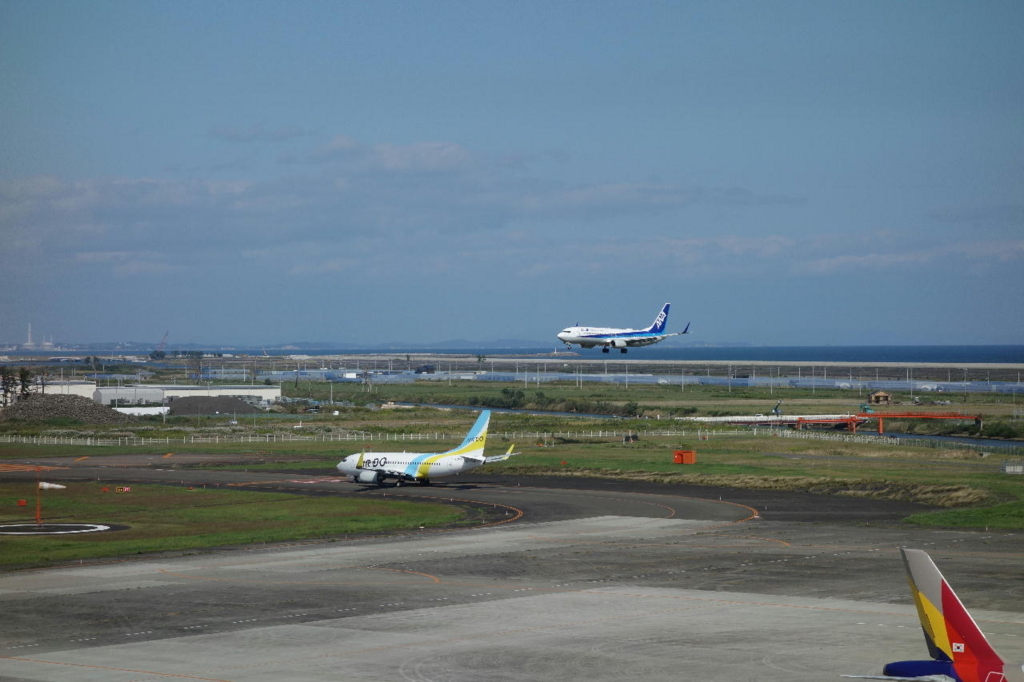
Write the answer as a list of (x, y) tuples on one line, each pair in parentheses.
[(937, 444), (510, 436)]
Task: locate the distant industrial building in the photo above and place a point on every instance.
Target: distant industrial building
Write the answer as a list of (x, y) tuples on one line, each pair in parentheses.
[(45, 344), (154, 394)]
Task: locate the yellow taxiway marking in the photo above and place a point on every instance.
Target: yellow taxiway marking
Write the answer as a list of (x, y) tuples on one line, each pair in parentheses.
[(79, 459), (168, 455)]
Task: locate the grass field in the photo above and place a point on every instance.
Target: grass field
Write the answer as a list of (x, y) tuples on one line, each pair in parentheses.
[(165, 518), (972, 491), (956, 479)]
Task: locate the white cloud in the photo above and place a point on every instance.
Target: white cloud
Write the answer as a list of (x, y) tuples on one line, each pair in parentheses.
[(827, 265), (256, 133), (1004, 213), (102, 256), (323, 266), (422, 156), (391, 212)]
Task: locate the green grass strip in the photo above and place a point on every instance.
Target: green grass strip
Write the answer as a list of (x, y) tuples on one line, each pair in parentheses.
[(164, 518)]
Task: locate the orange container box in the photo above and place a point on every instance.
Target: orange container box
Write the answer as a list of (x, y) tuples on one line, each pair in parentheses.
[(685, 457)]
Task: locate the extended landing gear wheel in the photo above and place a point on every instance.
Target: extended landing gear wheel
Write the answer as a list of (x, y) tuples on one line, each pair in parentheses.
[(604, 350), (623, 350), (424, 481), (398, 483)]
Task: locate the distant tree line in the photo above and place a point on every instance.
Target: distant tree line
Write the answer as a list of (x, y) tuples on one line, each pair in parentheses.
[(510, 398), (14, 386)]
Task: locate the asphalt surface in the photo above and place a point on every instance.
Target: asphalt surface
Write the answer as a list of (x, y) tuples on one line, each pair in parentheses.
[(571, 580)]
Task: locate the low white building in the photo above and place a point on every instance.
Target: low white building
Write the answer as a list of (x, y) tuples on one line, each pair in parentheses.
[(82, 388), (156, 394), (143, 411)]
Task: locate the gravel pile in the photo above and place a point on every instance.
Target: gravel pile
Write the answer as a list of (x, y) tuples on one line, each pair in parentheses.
[(190, 407), (43, 407)]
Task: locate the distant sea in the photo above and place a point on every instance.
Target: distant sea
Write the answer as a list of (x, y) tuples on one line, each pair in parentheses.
[(1010, 354), (928, 354)]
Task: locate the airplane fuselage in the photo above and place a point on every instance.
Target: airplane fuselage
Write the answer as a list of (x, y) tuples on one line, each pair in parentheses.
[(611, 337), (376, 467), (590, 337), (421, 467)]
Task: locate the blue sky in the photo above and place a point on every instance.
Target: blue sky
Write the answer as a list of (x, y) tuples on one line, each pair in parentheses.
[(785, 173)]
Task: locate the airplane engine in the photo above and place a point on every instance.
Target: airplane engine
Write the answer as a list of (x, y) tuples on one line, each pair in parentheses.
[(618, 343), (370, 477), (928, 669)]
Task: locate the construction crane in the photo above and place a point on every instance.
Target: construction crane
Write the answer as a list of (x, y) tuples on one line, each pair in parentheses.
[(159, 353)]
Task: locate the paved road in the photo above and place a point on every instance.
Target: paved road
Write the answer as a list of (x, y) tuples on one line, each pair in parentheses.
[(593, 581)]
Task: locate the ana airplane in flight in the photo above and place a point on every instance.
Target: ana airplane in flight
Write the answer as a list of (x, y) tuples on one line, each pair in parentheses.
[(377, 467), (588, 337), (959, 650)]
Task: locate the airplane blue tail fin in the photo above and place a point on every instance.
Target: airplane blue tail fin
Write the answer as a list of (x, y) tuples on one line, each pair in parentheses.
[(658, 326), (474, 442)]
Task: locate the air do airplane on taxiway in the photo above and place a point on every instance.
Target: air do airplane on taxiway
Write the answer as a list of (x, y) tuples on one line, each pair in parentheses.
[(377, 467), (610, 337)]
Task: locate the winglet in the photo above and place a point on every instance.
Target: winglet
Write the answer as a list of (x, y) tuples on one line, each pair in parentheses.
[(502, 458)]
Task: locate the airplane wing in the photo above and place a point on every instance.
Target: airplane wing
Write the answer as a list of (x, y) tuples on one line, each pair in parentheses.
[(501, 458), (648, 340)]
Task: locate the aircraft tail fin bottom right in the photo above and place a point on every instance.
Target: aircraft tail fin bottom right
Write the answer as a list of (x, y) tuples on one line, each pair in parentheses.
[(658, 326), (474, 442), (955, 642)]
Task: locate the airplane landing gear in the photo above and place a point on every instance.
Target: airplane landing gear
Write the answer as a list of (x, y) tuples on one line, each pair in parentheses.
[(605, 349), (424, 481), (622, 350)]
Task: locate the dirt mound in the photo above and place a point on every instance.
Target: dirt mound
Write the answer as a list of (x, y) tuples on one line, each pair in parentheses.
[(37, 408), (185, 407)]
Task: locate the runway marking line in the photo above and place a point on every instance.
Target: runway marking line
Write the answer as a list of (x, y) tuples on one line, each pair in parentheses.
[(120, 670), (432, 578), (83, 457)]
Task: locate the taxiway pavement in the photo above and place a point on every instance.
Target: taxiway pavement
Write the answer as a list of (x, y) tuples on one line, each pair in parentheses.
[(594, 581)]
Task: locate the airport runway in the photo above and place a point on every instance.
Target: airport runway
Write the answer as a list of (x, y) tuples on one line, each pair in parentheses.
[(593, 581)]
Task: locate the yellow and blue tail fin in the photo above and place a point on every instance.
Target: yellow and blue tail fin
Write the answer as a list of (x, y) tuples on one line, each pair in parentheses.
[(474, 442)]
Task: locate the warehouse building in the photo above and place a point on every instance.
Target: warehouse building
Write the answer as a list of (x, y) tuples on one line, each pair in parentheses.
[(154, 394)]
